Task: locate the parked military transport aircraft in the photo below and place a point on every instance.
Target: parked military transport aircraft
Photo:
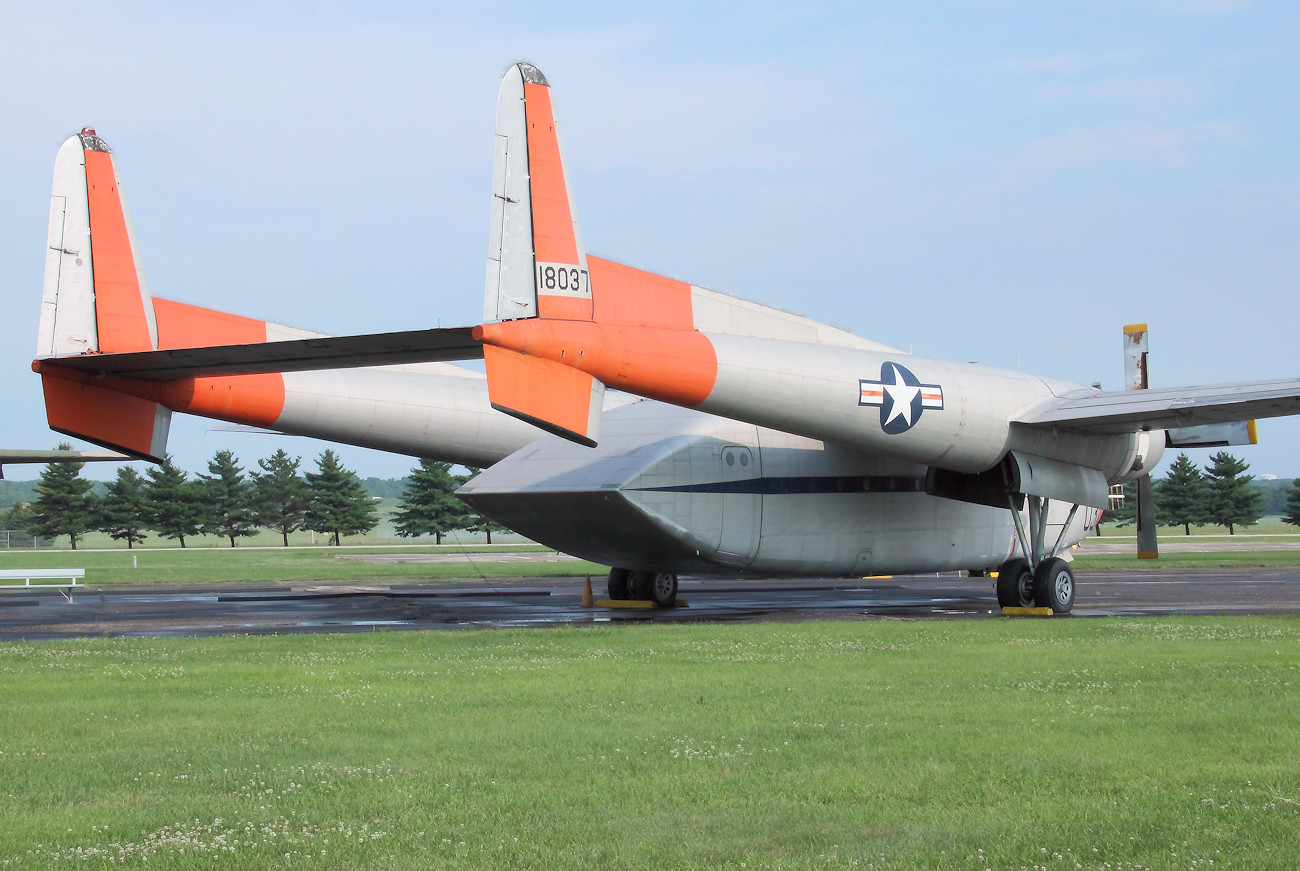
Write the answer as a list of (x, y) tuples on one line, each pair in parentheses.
[(742, 439)]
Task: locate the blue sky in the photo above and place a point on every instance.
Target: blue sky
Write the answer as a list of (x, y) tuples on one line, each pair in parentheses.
[(1001, 181)]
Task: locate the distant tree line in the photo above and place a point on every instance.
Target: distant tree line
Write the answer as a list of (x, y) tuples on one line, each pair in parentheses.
[(1220, 494), (227, 503)]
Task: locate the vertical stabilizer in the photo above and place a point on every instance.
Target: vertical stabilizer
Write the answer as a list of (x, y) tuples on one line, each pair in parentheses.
[(95, 297), (95, 300), (536, 264)]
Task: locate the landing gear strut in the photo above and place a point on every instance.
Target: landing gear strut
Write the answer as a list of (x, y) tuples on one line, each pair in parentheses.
[(1044, 580)]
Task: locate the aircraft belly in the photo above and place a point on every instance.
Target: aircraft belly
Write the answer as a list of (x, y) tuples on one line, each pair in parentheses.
[(670, 489), (875, 533)]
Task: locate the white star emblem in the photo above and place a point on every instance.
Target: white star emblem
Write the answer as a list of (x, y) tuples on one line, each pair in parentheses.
[(900, 396), (900, 399)]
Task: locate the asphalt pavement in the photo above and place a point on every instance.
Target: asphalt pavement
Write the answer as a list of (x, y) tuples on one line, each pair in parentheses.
[(274, 609)]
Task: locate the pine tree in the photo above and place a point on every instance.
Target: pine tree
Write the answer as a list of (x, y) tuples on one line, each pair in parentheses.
[(338, 504), (1232, 502), (174, 506), (279, 494), (1181, 495), (429, 504), (1292, 515), (227, 499), (123, 513), (17, 516), (64, 504), (476, 522)]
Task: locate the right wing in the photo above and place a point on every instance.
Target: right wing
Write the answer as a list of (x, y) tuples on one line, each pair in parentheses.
[(1122, 411)]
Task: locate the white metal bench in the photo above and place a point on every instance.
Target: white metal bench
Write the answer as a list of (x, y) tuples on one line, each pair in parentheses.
[(68, 579)]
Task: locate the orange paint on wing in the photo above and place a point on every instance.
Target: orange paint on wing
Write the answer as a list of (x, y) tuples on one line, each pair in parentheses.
[(119, 309), (189, 326), (553, 240)]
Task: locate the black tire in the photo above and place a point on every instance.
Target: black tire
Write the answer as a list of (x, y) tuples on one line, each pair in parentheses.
[(1054, 585), (1015, 584), (618, 584), (662, 588), (638, 586)]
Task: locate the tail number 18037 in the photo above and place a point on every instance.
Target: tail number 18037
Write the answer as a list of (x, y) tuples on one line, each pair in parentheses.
[(562, 279)]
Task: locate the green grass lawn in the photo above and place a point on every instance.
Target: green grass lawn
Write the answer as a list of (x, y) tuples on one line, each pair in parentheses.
[(1268, 525), (1098, 744), (286, 565), (1175, 561), (323, 565)]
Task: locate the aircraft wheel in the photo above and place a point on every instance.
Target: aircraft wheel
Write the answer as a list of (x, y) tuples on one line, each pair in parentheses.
[(618, 583), (638, 585), (1054, 585), (1015, 584), (663, 588)]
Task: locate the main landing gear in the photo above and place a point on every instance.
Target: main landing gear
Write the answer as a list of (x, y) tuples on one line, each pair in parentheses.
[(1044, 580), (657, 587)]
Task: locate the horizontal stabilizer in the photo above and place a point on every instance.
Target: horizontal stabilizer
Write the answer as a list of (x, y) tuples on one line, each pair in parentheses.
[(296, 355), (1125, 411), (130, 424), (551, 396), (12, 457)]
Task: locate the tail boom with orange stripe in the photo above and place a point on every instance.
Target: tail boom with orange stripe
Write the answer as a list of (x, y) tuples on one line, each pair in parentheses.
[(97, 311)]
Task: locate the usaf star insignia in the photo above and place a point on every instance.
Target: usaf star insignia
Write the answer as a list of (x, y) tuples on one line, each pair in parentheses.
[(900, 396)]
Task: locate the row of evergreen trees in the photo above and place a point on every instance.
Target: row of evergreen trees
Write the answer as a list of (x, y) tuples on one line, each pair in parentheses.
[(1221, 494), (225, 502)]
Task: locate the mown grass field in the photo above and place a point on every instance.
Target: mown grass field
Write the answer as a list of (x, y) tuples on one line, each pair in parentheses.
[(324, 565), (1099, 744), (288, 565), (1174, 561)]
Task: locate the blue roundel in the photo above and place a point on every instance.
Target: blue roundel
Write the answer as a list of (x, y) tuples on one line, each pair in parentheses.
[(900, 396)]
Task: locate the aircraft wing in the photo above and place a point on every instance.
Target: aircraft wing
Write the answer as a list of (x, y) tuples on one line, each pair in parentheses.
[(1120, 411), (296, 355)]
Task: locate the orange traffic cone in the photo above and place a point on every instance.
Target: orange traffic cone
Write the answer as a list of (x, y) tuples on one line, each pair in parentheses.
[(587, 600)]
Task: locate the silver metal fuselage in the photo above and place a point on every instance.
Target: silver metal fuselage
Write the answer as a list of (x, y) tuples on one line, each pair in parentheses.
[(671, 489)]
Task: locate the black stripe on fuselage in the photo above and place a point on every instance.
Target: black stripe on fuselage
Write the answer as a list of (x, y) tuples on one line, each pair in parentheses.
[(796, 485)]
